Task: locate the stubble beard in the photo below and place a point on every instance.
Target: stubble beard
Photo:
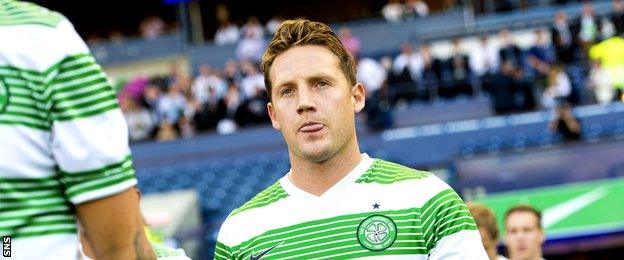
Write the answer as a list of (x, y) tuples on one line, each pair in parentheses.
[(328, 152)]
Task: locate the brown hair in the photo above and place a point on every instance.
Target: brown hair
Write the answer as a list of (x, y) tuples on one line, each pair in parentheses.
[(302, 32), (525, 208), (485, 219)]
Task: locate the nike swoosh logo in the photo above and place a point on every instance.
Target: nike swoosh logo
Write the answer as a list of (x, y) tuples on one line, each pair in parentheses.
[(257, 257), (556, 213)]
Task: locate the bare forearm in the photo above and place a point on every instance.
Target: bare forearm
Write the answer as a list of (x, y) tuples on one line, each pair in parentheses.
[(139, 250), (114, 227)]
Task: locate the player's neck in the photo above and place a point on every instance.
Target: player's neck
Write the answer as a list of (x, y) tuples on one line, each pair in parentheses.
[(316, 178), (537, 256)]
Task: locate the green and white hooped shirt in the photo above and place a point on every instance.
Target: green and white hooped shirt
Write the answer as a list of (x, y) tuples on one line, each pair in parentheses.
[(63, 139), (380, 209)]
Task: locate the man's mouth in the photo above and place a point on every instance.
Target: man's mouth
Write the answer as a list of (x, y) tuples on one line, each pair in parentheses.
[(311, 127)]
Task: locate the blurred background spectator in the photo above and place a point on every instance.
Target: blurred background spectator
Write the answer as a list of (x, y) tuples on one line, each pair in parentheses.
[(152, 27), (558, 87), (484, 59), (227, 33), (254, 27), (565, 124), (140, 121), (374, 76), (563, 35), (415, 8), (273, 24), (393, 11), (524, 234), (600, 84), (251, 47)]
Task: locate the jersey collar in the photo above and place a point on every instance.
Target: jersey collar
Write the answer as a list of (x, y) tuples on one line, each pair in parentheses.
[(345, 182)]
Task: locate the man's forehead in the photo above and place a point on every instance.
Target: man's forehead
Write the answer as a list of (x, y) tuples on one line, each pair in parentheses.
[(521, 218), (304, 61)]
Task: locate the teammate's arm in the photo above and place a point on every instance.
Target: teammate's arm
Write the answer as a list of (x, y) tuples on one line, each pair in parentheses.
[(114, 227)]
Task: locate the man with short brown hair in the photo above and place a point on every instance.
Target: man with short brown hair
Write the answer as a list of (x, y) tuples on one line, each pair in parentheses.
[(524, 235), (335, 202)]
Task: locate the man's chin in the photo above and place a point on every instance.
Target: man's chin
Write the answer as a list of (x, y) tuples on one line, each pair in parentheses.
[(316, 155), (522, 254)]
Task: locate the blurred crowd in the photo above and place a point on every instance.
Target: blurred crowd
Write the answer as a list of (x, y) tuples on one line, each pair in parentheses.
[(577, 60), (402, 10), (174, 106)]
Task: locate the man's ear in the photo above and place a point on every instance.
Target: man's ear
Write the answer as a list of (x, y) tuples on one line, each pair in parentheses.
[(273, 116), (358, 95)]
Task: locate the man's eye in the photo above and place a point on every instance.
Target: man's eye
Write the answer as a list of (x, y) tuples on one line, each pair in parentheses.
[(322, 84), (287, 91)]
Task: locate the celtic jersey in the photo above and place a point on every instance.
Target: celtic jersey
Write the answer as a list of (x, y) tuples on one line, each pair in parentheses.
[(63, 139), (380, 209)]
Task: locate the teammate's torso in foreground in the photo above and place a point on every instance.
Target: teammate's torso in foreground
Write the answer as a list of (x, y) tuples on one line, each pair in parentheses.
[(63, 140)]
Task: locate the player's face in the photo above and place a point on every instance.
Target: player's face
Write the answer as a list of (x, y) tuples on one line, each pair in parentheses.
[(312, 104), (524, 238)]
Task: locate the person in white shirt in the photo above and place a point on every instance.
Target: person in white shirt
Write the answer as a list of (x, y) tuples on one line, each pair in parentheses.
[(410, 60), (208, 86), (139, 120), (558, 87), (250, 48), (416, 8), (484, 59), (252, 85), (253, 26), (600, 83), (371, 74), (392, 11), (588, 32), (227, 34), (272, 25)]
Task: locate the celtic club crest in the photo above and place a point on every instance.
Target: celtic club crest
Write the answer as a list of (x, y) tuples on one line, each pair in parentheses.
[(377, 232)]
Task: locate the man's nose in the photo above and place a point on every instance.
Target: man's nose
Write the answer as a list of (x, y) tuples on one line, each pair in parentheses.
[(306, 101)]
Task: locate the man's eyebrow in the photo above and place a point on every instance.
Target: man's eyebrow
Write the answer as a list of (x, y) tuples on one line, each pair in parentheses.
[(284, 84), (318, 77), (312, 78)]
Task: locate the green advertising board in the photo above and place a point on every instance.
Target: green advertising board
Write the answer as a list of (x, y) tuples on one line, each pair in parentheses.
[(571, 210)]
